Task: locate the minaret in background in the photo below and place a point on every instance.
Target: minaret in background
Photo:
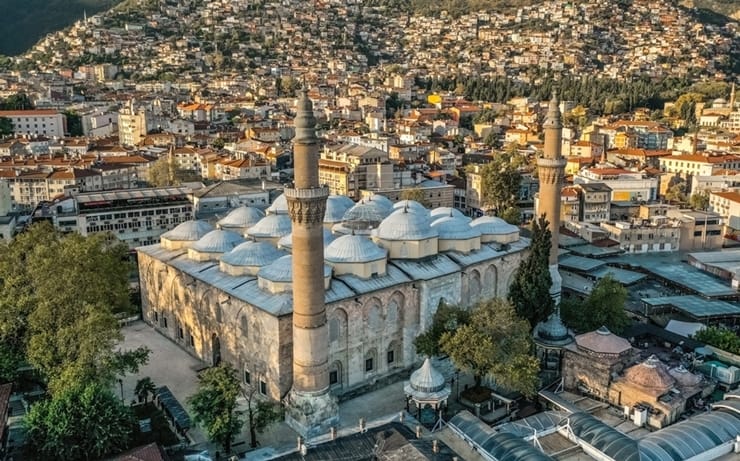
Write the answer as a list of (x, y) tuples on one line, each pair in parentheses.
[(312, 409), (551, 335), (551, 169)]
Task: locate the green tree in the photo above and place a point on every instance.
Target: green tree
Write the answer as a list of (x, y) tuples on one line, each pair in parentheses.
[(74, 123), (214, 404), (446, 319), (496, 343), (18, 101), (84, 422), (164, 173), (144, 388), (530, 290), (676, 190), (6, 126), (58, 299), (512, 215), (699, 201), (261, 414), (719, 337), (416, 194), (500, 181), (603, 307)]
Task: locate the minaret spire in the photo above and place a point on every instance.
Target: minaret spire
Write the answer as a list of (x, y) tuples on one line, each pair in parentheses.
[(312, 409)]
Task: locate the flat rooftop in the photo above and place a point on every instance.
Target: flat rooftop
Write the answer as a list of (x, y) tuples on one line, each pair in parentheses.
[(694, 306)]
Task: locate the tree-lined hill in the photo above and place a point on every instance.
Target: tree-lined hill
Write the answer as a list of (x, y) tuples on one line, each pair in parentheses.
[(26, 21)]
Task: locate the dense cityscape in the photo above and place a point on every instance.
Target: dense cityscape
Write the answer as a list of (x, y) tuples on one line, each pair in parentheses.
[(527, 215)]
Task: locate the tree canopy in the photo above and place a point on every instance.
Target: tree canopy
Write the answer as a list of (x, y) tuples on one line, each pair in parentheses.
[(603, 307), (165, 173), (699, 201), (719, 337), (530, 290), (416, 194), (58, 300), (495, 343), (500, 180), (83, 422), (446, 319), (260, 414), (214, 404)]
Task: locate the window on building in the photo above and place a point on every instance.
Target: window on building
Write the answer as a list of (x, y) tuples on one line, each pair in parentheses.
[(164, 321), (247, 377), (333, 377), (369, 364), (156, 316), (244, 326), (180, 333), (263, 388), (391, 356), (192, 339)]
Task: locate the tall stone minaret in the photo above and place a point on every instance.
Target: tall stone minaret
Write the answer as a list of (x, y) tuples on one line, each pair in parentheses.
[(312, 409), (551, 168), (551, 335)]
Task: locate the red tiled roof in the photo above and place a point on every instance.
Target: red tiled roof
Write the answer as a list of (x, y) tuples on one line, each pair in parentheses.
[(10, 113), (150, 452), (731, 196)]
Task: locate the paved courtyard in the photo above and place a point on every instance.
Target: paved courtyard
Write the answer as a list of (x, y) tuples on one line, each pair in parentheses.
[(171, 366)]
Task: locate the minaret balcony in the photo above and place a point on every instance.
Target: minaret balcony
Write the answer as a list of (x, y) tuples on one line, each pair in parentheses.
[(306, 194)]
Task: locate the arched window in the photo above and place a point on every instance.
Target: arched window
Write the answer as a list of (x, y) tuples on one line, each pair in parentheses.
[(371, 361), (393, 355), (373, 318), (474, 286), (392, 315), (335, 374), (333, 329), (490, 280), (218, 312), (244, 326)]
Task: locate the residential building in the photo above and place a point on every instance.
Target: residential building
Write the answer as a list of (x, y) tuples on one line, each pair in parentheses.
[(132, 124), (699, 165), (645, 236), (626, 185), (594, 202), (39, 122)]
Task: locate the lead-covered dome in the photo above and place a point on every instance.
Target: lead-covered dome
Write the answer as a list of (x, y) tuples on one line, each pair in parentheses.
[(270, 228), (361, 218), (446, 211), (277, 277), (382, 202), (404, 224), (495, 230), (248, 257), (241, 218), (184, 234), (214, 244), (336, 207), (279, 205), (427, 385), (456, 235), (353, 249), (411, 205), (286, 242)]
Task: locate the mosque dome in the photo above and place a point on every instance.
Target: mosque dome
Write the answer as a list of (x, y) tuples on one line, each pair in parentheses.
[(271, 226), (188, 231), (603, 341), (405, 225), (363, 215), (455, 228), (382, 202), (242, 217), (281, 270), (287, 240), (495, 229), (411, 205), (651, 375), (445, 211), (427, 379), (252, 254), (684, 377), (336, 207), (217, 241), (353, 249), (279, 205)]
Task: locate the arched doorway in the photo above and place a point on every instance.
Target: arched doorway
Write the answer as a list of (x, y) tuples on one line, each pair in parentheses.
[(216, 349)]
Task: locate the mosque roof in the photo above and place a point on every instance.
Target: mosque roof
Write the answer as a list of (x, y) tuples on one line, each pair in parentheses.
[(353, 249), (455, 228), (382, 202), (287, 240), (405, 225), (603, 341), (336, 207), (491, 225), (272, 225), (217, 241), (552, 332), (364, 213), (281, 270), (411, 205), (252, 254), (427, 379), (651, 375), (279, 205), (189, 231), (445, 211), (243, 216), (684, 377)]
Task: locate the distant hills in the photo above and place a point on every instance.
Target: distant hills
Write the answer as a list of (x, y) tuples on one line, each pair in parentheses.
[(24, 22)]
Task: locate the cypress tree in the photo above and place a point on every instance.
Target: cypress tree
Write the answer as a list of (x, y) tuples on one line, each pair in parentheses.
[(530, 290)]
